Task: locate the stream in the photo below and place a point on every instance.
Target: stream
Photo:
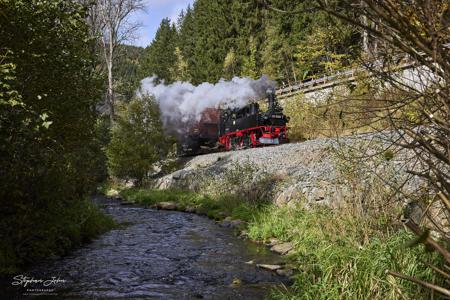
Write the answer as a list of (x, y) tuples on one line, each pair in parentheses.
[(158, 255)]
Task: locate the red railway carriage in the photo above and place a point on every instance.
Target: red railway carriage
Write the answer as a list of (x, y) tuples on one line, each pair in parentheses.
[(202, 135), (207, 126)]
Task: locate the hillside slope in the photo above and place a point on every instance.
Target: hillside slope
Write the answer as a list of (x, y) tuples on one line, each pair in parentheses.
[(314, 171)]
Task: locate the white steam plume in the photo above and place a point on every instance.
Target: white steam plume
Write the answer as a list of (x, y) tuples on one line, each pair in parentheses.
[(182, 103)]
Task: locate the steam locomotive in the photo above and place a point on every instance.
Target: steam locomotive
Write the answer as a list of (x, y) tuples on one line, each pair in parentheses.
[(238, 128)]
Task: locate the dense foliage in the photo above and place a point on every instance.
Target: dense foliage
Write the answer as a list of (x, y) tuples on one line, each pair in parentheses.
[(215, 39), (160, 56), (48, 150), (126, 71), (137, 140)]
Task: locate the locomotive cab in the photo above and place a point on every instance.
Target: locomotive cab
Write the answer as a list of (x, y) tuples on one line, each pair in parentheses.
[(232, 120)]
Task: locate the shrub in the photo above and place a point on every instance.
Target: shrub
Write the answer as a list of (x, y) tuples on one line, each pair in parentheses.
[(242, 180), (48, 152), (137, 140)]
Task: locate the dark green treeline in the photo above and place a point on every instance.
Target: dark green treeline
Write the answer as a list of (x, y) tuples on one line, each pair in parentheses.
[(221, 39)]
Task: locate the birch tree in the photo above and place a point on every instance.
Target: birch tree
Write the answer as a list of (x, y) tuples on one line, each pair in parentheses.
[(109, 20)]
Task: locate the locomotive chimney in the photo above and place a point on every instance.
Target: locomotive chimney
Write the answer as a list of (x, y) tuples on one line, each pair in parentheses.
[(271, 98)]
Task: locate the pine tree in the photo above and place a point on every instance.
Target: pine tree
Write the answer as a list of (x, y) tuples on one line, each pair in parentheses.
[(186, 40), (159, 57), (230, 65), (179, 72), (248, 28), (249, 68), (210, 40)]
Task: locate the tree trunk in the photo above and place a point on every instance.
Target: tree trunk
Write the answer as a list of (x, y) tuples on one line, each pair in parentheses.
[(111, 81), (365, 41), (110, 95)]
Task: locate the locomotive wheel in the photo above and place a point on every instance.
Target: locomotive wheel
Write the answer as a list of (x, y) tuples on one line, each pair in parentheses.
[(235, 143), (246, 142)]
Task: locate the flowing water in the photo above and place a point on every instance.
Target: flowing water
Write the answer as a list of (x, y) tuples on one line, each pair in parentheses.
[(159, 255)]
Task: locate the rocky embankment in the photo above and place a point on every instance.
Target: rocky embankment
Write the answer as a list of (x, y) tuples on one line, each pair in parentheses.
[(326, 171)]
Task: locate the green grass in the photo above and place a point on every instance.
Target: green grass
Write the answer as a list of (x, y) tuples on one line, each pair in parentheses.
[(217, 208), (108, 186), (336, 260), (337, 256)]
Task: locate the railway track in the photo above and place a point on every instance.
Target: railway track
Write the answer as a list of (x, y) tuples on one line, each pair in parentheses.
[(342, 77)]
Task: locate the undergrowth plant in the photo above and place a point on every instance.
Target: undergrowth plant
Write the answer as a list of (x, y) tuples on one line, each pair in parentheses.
[(335, 259), (364, 171), (242, 180)]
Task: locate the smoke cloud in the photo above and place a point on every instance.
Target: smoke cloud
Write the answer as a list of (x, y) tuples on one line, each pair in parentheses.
[(182, 103)]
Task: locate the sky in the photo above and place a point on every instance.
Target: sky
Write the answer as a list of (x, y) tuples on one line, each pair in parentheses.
[(150, 18)]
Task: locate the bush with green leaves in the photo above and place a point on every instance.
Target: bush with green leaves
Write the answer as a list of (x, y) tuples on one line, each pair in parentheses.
[(242, 180), (137, 140), (48, 91)]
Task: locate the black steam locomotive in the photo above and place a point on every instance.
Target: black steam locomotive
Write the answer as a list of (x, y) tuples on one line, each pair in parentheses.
[(240, 128)]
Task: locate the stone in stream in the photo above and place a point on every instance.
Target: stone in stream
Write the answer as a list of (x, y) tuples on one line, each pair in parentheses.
[(229, 222), (167, 205), (236, 223), (269, 267), (226, 222), (285, 272), (283, 248), (190, 209), (274, 241)]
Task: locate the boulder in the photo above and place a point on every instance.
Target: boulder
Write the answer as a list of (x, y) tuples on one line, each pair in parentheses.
[(167, 205), (190, 209), (283, 248), (288, 195), (269, 267), (285, 272), (236, 223)]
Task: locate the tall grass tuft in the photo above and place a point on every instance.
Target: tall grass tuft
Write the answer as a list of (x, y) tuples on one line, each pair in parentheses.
[(335, 260)]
